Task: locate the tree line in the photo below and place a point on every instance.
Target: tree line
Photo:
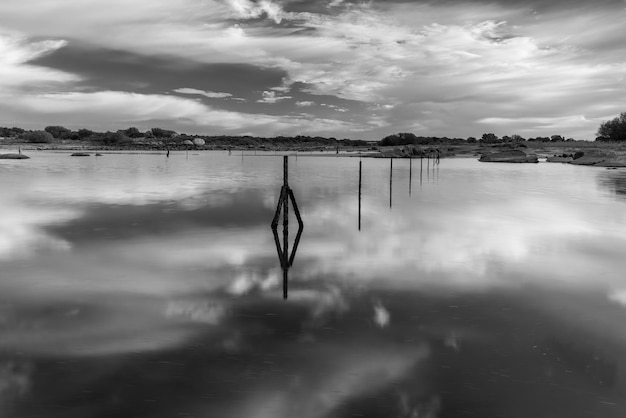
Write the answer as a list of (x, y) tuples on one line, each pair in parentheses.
[(133, 136)]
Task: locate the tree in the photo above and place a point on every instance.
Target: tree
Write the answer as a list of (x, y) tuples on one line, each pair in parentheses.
[(517, 138), (613, 130), (37, 137), (489, 138), (162, 133), (57, 131), (133, 132), (84, 133), (471, 140), (556, 138)]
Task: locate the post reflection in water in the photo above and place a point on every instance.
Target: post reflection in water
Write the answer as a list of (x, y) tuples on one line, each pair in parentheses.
[(513, 306), (286, 194)]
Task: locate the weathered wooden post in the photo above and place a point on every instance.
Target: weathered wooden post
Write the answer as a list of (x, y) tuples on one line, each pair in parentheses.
[(410, 174), (285, 197), (286, 194), (390, 181), (360, 167)]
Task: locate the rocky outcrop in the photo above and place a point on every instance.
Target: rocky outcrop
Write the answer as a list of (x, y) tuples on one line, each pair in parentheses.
[(80, 154), (512, 156), (599, 158), (13, 157)]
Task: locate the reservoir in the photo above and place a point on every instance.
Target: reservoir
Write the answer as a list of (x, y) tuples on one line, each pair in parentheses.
[(135, 285)]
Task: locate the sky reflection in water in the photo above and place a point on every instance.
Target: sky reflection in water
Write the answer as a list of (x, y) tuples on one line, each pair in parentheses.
[(151, 287)]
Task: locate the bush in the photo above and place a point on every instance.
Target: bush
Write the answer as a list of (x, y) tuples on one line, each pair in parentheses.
[(37, 137)]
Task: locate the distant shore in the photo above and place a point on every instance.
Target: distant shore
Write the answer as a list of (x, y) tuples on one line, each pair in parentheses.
[(541, 149)]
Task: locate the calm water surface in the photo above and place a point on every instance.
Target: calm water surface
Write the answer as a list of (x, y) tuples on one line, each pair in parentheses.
[(132, 285)]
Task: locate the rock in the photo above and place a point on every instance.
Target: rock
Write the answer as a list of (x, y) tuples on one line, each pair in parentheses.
[(512, 156), (13, 157), (98, 154), (564, 158), (599, 158), (187, 142), (80, 154), (198, 142)]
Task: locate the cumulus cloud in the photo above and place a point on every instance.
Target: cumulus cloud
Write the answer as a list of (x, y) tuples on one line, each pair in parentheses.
[(305, 103)]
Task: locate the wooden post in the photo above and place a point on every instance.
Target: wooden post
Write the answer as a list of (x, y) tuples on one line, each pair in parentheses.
[(410, 174), (285, 196), (360, 167), (390, 180)]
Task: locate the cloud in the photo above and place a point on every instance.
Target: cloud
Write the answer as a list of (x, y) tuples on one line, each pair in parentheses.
[(457, 63), (210, 94), (305, 103), (121, 108), (271, 97), (16, 74), (246, 9)]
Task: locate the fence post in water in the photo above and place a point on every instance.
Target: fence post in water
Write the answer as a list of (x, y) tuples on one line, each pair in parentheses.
[(285, 197), (360, 166), (410, 173), (390, 180)]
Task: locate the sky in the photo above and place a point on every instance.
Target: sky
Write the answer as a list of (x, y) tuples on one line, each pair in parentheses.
[(334, 68)]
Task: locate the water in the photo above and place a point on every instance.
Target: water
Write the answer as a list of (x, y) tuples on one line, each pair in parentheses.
[(132, 285)]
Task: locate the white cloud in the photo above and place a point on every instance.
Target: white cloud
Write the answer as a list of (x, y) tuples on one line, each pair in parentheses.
[(206, 93), (305, 103), (15, 73), (246, 9), (271, 97)]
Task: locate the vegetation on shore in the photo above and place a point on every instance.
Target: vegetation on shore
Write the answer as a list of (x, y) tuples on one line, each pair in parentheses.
[(612, 132)]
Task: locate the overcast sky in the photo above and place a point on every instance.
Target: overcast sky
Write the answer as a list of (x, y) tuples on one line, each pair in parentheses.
[(348, 69)]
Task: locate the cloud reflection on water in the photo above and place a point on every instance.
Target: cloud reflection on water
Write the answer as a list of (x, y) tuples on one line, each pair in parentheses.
[(367, 310)]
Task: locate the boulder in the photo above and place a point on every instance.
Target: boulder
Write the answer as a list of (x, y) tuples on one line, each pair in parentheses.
[(13, 157), (198, 142), (80, 154), (512, 156), (599, 158)]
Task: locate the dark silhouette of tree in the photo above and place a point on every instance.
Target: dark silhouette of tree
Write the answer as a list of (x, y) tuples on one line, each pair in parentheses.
[(58, 131), (133, 132), (489, 138), (162, 133), (613, 130), (84, 133), (37, 137)]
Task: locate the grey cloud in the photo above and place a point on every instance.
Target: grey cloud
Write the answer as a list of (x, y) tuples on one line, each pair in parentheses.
[(107, 69)]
